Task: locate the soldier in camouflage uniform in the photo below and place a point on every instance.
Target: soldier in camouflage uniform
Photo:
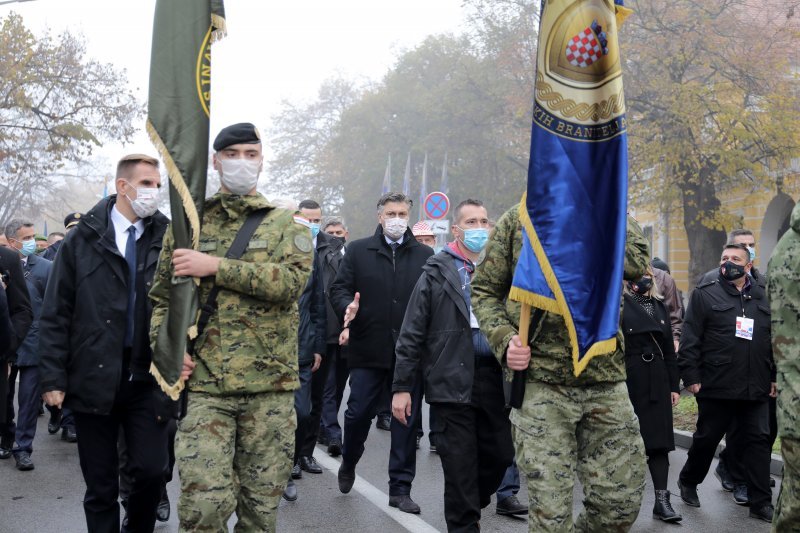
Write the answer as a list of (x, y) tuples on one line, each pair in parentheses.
[(566, 423), (235, 446), (784, 296)]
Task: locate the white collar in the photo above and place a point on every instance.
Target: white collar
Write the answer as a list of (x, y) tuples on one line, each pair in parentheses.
[(121, 223)]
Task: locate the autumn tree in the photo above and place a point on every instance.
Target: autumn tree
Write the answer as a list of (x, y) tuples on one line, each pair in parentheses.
[(712, 103), (56, 106)]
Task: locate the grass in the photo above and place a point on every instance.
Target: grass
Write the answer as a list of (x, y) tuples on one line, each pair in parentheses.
[(684, 417)]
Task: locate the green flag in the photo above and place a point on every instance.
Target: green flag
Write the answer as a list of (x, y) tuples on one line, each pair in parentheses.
[(177, 121)]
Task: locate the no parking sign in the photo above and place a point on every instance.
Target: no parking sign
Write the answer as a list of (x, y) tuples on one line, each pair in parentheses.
[(436, 205)]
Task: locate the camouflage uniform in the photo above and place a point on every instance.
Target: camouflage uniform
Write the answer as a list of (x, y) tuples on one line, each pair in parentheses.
[(234, 448), (566, 423), (784, 295)]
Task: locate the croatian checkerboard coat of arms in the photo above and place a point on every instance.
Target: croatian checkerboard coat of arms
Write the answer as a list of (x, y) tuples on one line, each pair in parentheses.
[(579, 89)]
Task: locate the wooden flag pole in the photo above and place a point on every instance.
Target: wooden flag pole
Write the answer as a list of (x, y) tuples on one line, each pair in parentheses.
[(518, 383)]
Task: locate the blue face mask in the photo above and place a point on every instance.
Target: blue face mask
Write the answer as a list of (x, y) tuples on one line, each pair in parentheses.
[(752, 251), (28, 247), (314, 227), (475, 239)]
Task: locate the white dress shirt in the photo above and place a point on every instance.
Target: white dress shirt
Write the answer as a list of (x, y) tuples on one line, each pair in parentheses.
[(121, 225)]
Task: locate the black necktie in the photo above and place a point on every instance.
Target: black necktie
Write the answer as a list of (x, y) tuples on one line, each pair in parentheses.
[(394, 245), (130, 258)]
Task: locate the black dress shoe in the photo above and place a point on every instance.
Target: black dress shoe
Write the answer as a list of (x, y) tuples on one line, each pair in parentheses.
[(335, 448), (6, 443), (346, 477), (772, 482), (310, 465), (297, 473), (163, 511), (68, 434), (763, 512), (724, 477), (23, 460), (511, 506), (740, 495), (404, 503), (290, 492), (689, 494), (384, 423), (55, 421)]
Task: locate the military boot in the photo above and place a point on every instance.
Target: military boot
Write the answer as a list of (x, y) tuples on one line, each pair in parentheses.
[(663, 508)]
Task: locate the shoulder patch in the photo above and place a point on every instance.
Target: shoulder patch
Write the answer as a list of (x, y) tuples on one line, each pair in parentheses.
[(303, 243), (208, 246)]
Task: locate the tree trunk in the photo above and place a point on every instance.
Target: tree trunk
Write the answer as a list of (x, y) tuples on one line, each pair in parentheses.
[(705, 244)]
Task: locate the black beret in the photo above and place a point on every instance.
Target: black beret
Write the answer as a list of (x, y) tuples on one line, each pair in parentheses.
[(660, 264), (242, 133), (72, 220)]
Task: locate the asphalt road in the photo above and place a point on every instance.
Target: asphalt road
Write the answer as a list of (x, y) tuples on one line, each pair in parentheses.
[(48, 499)]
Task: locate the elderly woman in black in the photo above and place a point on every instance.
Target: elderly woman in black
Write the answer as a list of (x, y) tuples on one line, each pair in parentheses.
[(652, 381)]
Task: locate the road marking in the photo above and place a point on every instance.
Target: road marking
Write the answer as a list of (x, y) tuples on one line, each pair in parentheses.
[(378, 498)]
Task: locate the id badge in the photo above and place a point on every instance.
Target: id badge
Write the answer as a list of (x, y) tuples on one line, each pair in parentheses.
[(744, 328)]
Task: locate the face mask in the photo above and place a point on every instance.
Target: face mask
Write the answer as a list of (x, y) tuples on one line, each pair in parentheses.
[(732, 271), (28, 247), (752, 251), (146, 202), (239, 176), (394, 228), (314, 226), (475, 239), (642, 286)]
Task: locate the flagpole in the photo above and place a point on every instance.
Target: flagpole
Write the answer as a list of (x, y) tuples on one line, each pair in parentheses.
[(518, 383)]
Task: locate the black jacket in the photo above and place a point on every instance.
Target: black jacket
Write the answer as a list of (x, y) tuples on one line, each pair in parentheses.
[(311, 333), (727, 367), (19, 303), (385, 282), (437, 336), (652, 370), (329, 262), (82, 328)]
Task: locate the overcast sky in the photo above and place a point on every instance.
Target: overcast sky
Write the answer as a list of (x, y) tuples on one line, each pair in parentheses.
[(275, 49)]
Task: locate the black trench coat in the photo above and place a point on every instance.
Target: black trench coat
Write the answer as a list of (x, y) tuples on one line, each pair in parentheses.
[(652, 370)]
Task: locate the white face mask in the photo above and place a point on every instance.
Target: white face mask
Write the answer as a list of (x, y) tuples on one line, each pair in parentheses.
[(240, 176), (146, 202), (394, 228)]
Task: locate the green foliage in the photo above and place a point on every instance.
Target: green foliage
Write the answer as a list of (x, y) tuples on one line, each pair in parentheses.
[(56, 106)]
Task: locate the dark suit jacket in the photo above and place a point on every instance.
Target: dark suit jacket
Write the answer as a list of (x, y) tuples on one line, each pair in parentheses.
[(37, 271)]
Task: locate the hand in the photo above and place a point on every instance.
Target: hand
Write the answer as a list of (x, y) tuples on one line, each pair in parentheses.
[(317, 362), (188, 262), (188, 367), (694, 389), (352, 310), (676, 343), (344, 337), (773, 390), (53, 398), (518, 356), (675, 397), (401, 406)]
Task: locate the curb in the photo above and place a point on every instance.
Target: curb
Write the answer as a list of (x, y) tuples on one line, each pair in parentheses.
[(684, 440)]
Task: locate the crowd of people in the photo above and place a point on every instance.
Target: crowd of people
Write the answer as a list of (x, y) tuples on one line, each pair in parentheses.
[(293, 310)]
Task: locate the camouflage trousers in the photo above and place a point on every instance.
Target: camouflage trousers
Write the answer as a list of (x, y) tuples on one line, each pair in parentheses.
[(787, 513), (591, 430), (234, 453)]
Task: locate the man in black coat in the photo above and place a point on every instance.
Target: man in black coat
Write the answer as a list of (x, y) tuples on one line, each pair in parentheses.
[(21, 236), (463, 380), (370, 294), (335, 353), (726, 361), (21, 316), (95, 347)]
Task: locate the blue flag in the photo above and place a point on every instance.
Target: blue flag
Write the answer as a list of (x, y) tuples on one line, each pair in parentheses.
[(574, 211), (387, 177), (407, 176)]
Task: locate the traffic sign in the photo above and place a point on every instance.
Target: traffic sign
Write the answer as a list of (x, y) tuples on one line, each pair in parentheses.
[(439, 226), (436, 205)]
